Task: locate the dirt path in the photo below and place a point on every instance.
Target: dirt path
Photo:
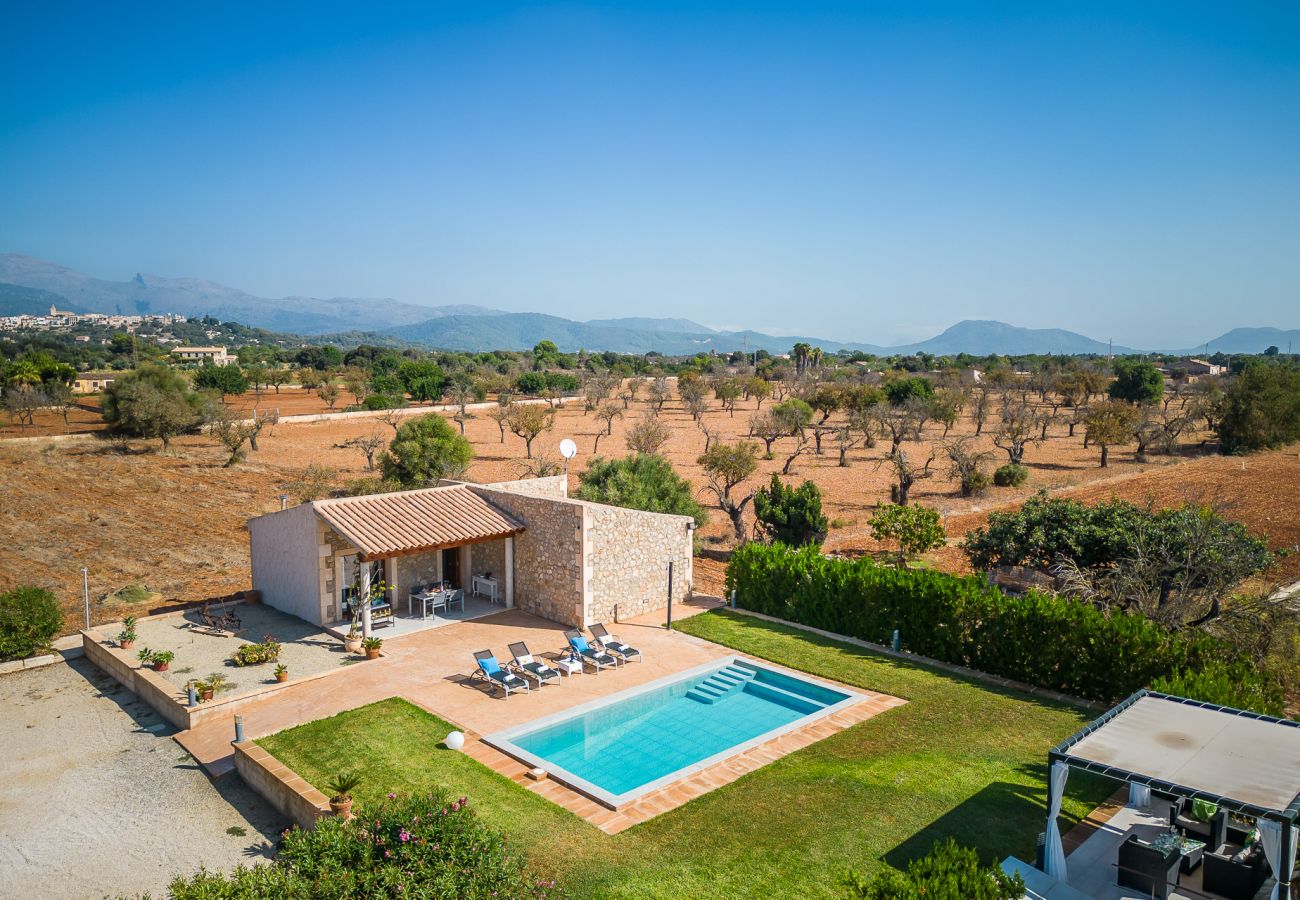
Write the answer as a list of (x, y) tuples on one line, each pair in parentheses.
[(97, 802)]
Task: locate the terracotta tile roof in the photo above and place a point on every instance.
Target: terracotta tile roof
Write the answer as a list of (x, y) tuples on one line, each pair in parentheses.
[(382, 525)]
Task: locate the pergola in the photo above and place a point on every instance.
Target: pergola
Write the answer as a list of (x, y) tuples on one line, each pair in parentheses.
[(1242, 761)]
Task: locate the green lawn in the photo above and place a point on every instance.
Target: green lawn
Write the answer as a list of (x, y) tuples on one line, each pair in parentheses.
[(958, 759)]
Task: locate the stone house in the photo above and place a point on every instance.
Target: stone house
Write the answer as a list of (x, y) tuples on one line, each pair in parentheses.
[(519, 544)]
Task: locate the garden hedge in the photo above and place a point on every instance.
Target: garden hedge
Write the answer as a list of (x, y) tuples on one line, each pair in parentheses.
[(1041, 639), (29, 619)]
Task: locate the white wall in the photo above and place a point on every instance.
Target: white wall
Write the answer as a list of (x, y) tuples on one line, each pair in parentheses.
[(286, 561)]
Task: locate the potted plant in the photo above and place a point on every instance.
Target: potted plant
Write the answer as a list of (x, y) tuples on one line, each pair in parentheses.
[(145, 656), (126, 637), (210, 688), (159, 659), (352, 642), (371, 645), (282, 673), (341, 788), (378, 591)]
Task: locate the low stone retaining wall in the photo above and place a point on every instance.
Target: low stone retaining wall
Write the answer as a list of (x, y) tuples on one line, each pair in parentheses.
[(65, 648), (932, 663), (169, 700), (282, 787)]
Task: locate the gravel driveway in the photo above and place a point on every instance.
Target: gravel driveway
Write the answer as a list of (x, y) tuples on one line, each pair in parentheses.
[(98, 800)]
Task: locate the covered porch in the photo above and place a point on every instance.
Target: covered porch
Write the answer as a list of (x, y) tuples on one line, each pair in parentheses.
[(423, 560), (1213, 800)]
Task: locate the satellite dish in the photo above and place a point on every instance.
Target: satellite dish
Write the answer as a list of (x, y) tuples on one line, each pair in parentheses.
[(568, 449)]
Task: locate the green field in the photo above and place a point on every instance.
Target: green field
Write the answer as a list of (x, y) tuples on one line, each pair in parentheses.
[(958, 759)]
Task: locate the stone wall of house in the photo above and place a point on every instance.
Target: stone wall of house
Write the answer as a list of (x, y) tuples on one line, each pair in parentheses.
[(556, 486), (330, 544), (627, 556), (548, 553), (488, 557), (408, 571)]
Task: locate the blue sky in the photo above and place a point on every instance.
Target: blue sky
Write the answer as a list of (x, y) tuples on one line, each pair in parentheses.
[(863, 171)]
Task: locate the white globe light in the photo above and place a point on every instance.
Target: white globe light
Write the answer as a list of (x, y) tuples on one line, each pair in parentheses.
[(455, 740)]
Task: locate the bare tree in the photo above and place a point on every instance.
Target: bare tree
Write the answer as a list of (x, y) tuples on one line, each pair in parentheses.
[(658, 394), (528, 420), (329, 392), (369, 444), (647, 437), (967, 466), (501, 414), (229, 430), (846, 440), (1019, 427), (801, 444), (725, 467), (607, 414), (907, 474), (22, 401), (543, 466), (981, 405), (696, 405), (768, 428), (901, 423), (259, 422)]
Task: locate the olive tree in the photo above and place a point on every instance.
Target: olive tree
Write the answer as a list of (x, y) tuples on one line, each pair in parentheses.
[(425, 450), (726, 466)]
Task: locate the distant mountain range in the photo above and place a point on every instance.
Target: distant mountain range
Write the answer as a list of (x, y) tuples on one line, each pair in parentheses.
[(32, 285)]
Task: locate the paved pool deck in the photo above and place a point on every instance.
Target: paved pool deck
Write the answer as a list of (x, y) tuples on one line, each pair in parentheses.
[(432, 669)]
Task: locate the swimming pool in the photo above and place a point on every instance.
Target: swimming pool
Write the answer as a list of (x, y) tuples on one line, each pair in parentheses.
[(618, 748)]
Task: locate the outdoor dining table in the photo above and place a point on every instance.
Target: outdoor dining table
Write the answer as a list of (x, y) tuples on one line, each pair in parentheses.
[(435, 600)]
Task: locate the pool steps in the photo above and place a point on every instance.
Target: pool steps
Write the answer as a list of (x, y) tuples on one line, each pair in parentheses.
[(720, 684), (735, 678)]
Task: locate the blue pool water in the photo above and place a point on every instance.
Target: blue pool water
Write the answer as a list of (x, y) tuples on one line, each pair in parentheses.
[(630, 743)]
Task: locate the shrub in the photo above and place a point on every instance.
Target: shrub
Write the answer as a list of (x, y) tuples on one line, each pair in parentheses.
[(152, 401), (914, 528), (1136, 382), (383, 401), (562, 382), (1045, 640), (641, 481), (255, 654), (1261, 409), (29, 620), (425, 450), (1011, 475), (1231, 684), (530, 383), (792, 516), (418, 847), (948, 872), (900, 390)]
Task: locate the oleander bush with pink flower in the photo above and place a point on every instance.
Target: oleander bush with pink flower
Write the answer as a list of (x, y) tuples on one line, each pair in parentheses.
[(428, 846)]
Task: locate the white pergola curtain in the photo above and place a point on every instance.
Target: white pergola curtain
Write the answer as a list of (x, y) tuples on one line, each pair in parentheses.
[(1139, 795), (1054, 851), (1270, 835)]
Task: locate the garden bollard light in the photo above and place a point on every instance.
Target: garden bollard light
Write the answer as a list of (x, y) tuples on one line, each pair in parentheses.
[(239, 729), (194, 696), (896, 644), (733, 599)]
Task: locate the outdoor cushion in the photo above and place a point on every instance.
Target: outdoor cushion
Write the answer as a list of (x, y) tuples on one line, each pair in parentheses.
[(579, 643), (1204, 810), (489, 665)]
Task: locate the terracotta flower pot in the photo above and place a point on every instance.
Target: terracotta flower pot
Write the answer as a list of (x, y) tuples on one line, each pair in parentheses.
[(372, 654), (160, 667), (342, 808), (207, 695), (282, 677), (126, 645)]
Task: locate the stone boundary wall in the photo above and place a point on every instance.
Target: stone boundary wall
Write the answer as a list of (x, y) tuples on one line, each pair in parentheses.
[(554, 486), (962, 671), (279, 785)]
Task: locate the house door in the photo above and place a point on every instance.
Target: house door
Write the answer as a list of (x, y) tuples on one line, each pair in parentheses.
[(451, 567)]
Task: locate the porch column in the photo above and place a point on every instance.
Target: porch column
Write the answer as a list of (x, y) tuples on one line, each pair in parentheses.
[(363, 596), (510, 572)]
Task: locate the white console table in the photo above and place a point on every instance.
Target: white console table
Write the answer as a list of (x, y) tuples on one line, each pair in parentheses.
[(482, 586)]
